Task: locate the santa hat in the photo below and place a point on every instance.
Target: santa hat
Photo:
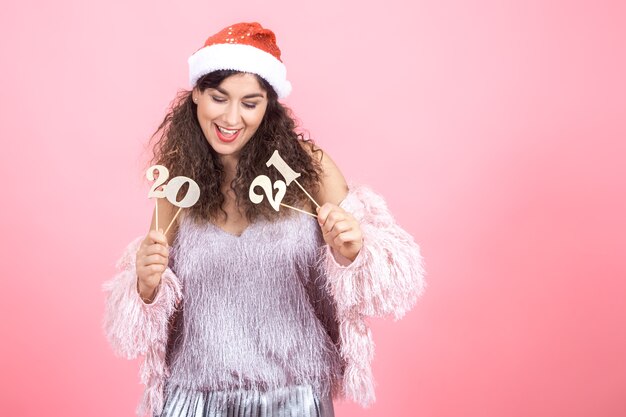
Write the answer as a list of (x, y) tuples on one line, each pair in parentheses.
[(245, 47)]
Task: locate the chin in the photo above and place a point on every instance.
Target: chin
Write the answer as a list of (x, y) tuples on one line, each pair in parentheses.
[(223, 149)]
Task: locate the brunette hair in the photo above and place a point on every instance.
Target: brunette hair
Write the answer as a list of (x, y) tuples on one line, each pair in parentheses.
[(180, 145)]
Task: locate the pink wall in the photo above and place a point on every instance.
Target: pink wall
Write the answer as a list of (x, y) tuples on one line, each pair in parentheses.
[(496, 130)]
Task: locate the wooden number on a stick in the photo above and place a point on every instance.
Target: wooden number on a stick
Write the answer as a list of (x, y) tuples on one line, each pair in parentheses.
[(285, 170), (170, 191), (281, 186), (264, 182)]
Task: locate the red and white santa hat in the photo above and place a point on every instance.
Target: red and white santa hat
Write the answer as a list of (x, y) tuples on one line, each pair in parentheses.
[(246, 47)]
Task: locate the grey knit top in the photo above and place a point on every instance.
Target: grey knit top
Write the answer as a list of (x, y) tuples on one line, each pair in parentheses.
[(255, 312)]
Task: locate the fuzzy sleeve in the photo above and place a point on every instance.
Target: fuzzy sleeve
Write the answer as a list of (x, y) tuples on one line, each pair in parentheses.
[(387, 276), (131, 325)]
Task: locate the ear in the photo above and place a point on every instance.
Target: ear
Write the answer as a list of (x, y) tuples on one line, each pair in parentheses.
[(195, 94)]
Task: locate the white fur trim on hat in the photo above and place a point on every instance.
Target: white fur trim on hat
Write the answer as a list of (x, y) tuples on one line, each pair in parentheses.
[(243, 58)]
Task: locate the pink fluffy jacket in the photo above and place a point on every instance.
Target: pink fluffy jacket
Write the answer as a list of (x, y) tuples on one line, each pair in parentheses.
[(386, 278)]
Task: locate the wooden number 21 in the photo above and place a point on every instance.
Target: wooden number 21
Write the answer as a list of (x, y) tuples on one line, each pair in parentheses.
[(280, 186), (265, 183)]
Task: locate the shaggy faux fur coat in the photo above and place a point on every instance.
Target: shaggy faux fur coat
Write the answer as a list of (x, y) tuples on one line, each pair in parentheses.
[(386, 278)]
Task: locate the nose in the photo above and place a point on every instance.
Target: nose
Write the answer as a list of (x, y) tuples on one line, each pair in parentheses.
[(232, 114)]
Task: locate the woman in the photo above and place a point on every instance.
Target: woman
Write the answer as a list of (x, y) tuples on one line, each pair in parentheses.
[(254, 310)]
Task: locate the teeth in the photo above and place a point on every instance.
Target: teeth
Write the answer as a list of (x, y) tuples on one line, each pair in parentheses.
[(226, 131)]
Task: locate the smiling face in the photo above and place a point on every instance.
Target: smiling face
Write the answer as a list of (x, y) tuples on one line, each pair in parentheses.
[(230, 113)]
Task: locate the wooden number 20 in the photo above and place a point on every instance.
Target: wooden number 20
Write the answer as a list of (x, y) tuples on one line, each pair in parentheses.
[(171, 189)]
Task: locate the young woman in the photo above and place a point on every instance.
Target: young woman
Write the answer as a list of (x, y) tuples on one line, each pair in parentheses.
[(240, 308)]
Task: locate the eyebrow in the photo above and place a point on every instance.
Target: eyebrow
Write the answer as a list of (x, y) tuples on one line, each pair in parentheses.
[(254, 95)]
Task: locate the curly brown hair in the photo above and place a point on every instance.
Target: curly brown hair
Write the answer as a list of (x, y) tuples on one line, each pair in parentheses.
[(182, 147)]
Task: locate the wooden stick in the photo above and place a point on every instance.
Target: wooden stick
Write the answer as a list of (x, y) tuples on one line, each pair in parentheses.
[(156, 214), (307, 194), (297, 209), (170, 225)]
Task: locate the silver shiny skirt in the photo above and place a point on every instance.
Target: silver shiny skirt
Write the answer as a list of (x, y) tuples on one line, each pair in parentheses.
[(297, 401)]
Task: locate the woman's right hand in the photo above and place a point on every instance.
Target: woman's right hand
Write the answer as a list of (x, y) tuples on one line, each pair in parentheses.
[(152, 259)]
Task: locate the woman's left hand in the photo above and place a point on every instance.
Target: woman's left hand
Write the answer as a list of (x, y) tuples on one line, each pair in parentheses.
[(341, 230)]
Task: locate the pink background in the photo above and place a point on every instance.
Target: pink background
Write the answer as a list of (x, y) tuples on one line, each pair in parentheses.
[(496, 131)]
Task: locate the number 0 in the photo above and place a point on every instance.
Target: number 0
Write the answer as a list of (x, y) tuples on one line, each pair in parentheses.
[(174, 186)]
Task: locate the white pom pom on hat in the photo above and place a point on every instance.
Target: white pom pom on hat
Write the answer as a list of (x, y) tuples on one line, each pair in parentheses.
[(245, 47)]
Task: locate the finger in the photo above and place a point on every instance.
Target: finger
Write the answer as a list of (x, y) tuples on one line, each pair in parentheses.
[(332, 220), (155, 259), (323, 211), (338, 227), (346, 238), (154, 269), (156, 237), (159, 249)]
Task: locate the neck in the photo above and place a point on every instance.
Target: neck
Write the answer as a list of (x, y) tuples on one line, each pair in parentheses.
[(229, 162)]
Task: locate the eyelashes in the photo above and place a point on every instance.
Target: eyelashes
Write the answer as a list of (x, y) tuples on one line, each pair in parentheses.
[(223, 100)]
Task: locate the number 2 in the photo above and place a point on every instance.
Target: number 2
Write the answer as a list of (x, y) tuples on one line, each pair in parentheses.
[(164, 174), (264, 182)]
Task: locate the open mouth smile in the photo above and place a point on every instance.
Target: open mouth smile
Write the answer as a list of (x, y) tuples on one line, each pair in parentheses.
[(226, 135)]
